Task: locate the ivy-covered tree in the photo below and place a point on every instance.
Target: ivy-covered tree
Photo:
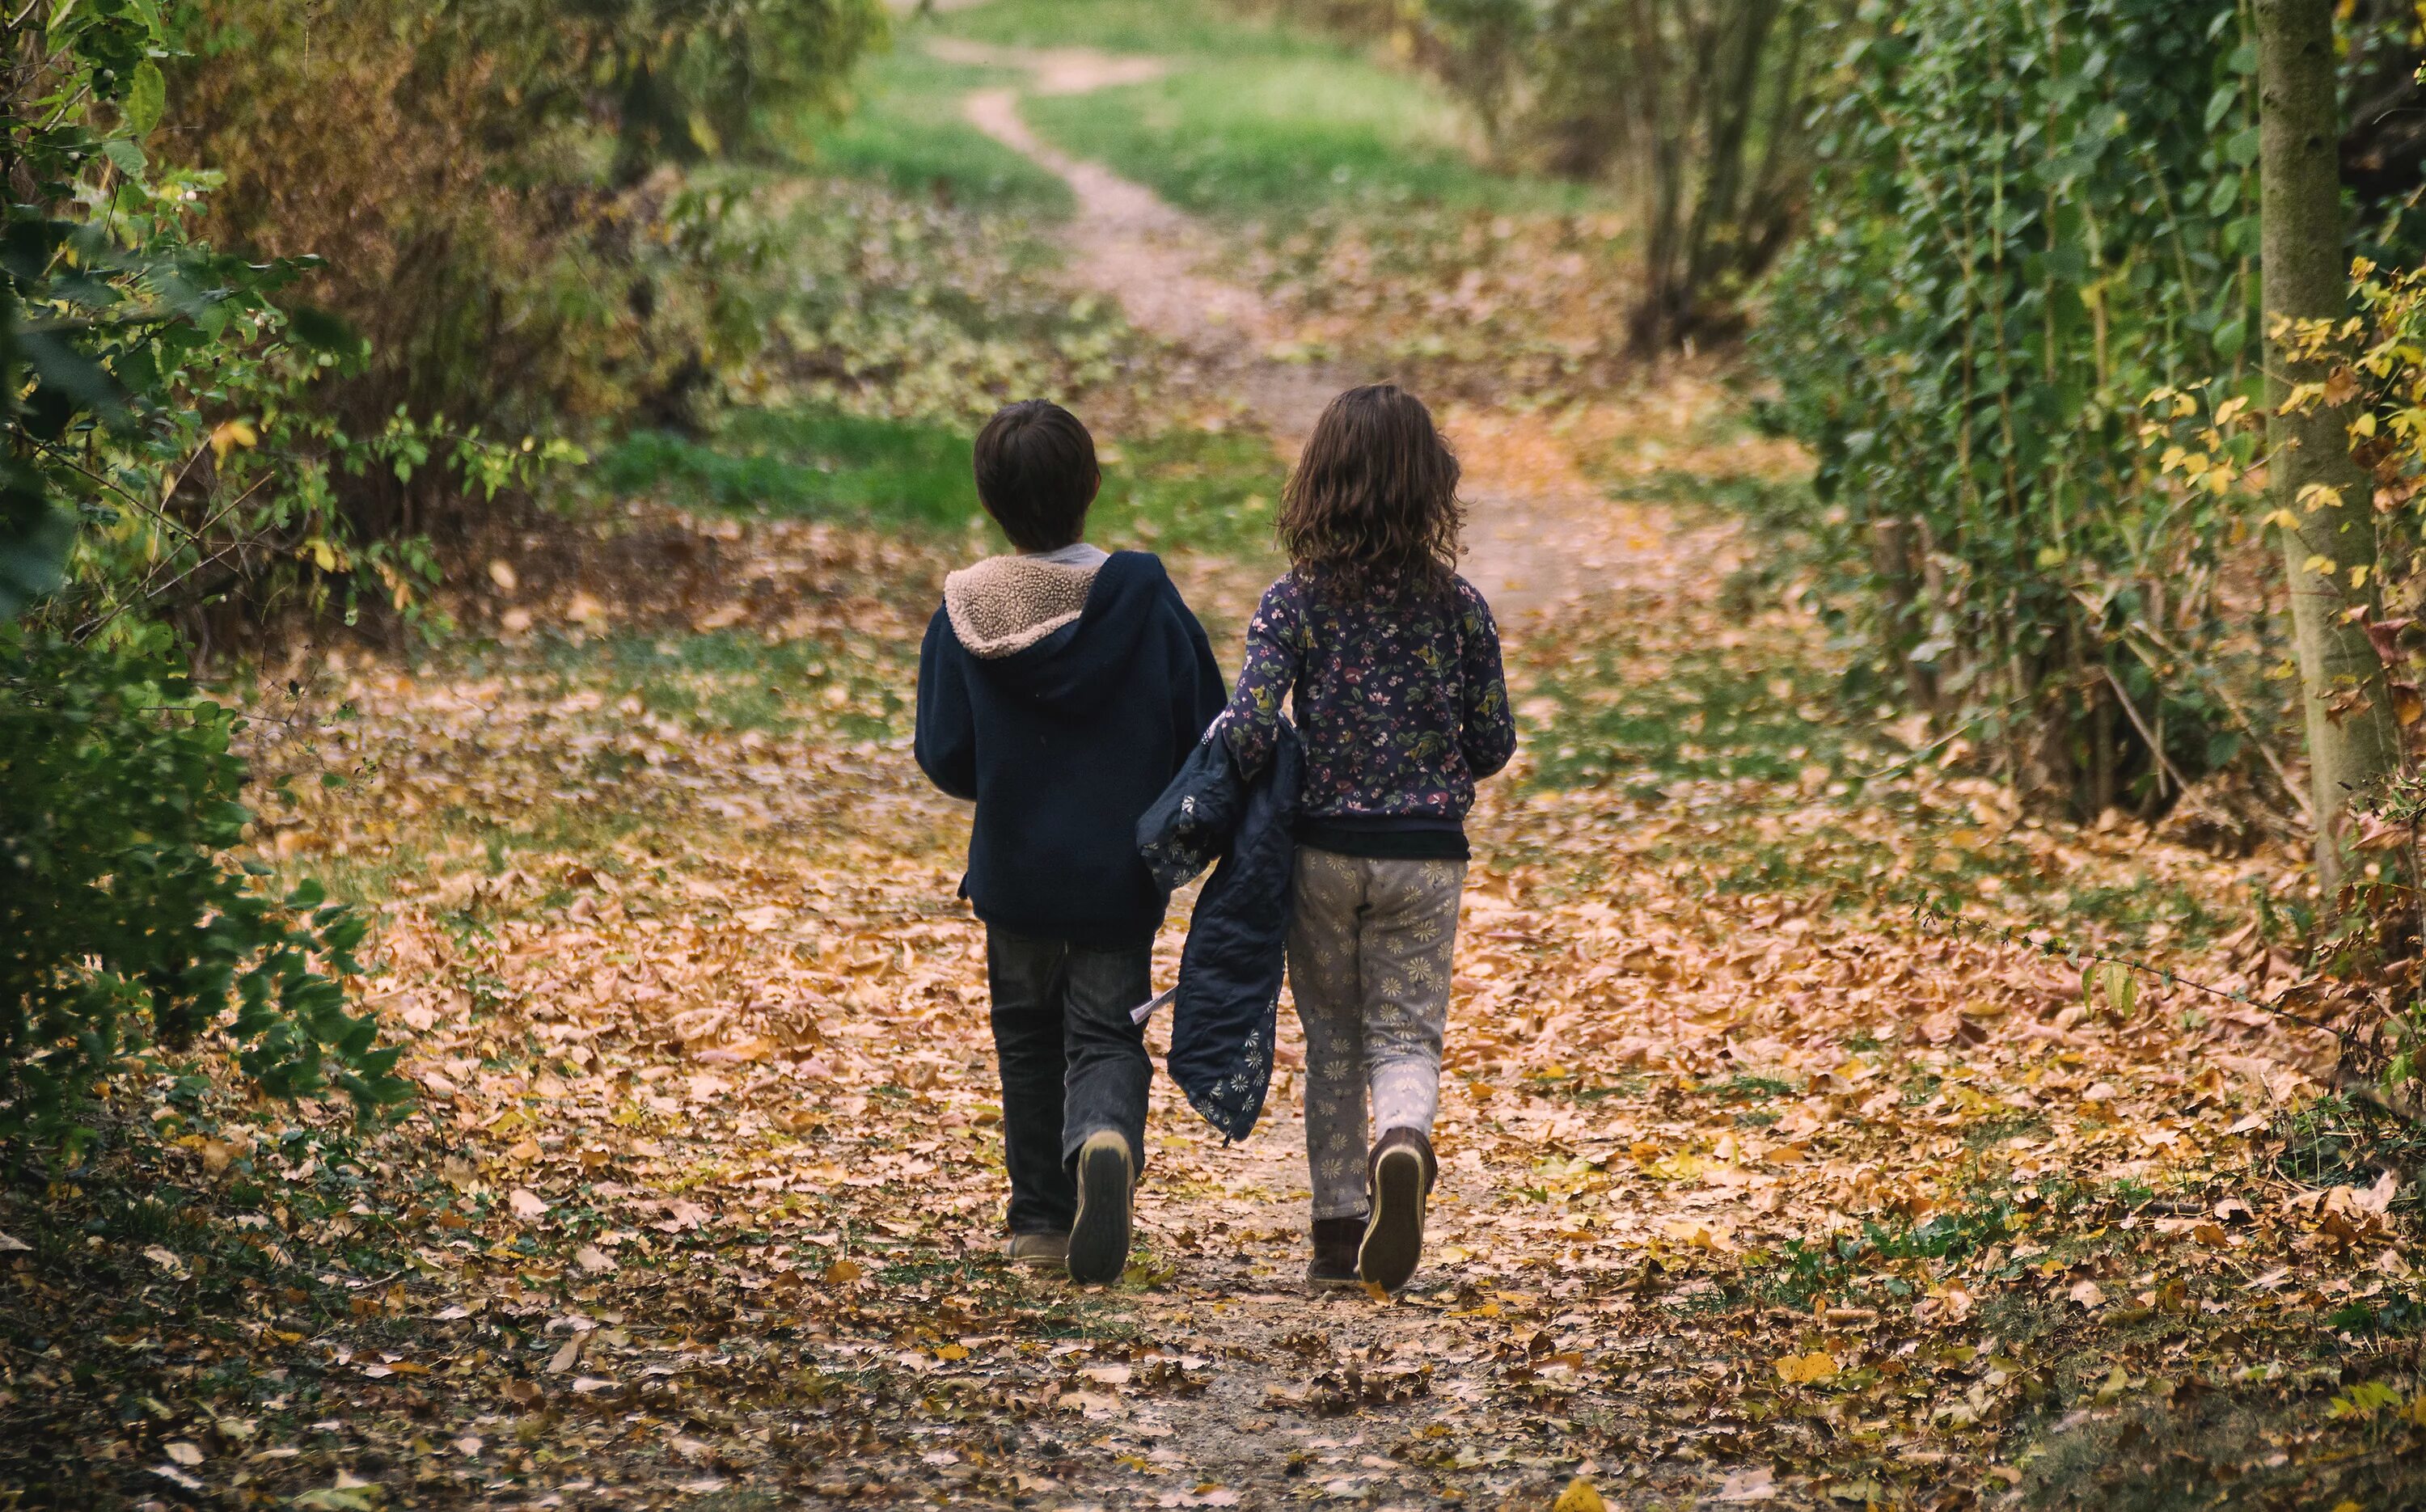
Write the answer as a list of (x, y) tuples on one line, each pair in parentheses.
[(2322, 495)]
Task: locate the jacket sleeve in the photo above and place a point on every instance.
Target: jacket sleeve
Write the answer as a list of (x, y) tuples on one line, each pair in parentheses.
[(945, 742), (1487, 729), (1265, 679), (1196, 696)]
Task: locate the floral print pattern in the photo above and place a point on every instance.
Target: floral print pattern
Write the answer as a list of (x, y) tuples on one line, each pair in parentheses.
[(1402, 703), (1369, 950)]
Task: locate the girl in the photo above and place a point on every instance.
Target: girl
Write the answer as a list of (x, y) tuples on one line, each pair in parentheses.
[(1398, 699)]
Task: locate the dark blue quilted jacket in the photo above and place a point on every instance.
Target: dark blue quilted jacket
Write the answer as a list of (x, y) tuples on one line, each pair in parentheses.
[(1226, 1013)]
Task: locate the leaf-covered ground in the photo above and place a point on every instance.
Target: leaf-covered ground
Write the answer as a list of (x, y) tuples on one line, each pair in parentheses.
[(1760, 1187)]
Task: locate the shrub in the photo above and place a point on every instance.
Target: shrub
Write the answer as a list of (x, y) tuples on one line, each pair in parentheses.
[(474, 177), (123, 932), (2026, 219)]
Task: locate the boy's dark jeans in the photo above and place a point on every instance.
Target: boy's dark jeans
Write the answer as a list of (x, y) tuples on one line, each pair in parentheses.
[(1073, 1063)]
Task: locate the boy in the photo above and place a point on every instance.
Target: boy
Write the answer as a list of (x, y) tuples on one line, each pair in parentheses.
[(1061, 689)]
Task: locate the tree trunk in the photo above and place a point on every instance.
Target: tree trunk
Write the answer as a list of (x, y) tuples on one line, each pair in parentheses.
[(2353, 740), (1713, 241)]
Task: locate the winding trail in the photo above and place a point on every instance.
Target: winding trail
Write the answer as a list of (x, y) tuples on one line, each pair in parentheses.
[(1538, 534)]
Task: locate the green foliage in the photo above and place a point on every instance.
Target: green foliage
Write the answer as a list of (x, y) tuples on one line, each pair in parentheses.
[(1694, 110), (477, 178), (121, 931), (2026, 219)]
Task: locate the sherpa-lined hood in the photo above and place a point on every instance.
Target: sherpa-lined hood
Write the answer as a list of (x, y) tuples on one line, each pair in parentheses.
[(1058, 634), (1009, 604)]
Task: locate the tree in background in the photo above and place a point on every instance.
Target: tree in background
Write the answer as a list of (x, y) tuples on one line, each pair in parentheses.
[(2323, 497), (1693, 110)]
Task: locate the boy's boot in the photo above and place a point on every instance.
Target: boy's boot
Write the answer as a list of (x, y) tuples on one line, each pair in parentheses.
[(1099, 1239), (1335, 1252), (1400, 1174), (1039, 1249)]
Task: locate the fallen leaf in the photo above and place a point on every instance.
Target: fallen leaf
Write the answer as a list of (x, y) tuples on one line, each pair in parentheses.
[(1579, 1496)]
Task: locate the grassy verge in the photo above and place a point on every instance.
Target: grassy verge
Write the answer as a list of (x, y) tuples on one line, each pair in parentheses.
[(1286, 136), (1158, 26), (1179, 488), (811, 464), (907, 134)]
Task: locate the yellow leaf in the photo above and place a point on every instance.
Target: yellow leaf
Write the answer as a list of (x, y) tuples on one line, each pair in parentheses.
[(843, 1272), (1801, 1370), (1579, 1496), (229, 434), (953, 1352), (324, 555), (2358, 576), (2122, 988)]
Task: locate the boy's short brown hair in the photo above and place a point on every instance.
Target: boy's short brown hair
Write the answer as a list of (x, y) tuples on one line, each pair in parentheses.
[(1037, 474)]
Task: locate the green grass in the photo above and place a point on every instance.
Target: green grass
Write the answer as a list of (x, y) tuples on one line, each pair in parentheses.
[(907, 133), (813, 463), (1255, 118), (1257, 135), (1198, 489), (1703, 717), (1163, 27)]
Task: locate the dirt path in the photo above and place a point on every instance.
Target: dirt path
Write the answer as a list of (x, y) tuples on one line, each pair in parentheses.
[(1538, 534)]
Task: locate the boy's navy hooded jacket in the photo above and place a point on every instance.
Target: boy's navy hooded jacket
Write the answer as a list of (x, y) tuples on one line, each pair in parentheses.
[(1062, 698)]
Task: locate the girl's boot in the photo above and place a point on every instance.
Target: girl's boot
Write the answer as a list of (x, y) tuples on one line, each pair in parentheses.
[(1401, 1176), (1335, 1252)]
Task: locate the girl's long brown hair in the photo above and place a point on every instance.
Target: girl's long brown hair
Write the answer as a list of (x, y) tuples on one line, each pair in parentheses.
[(1373, 505)]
